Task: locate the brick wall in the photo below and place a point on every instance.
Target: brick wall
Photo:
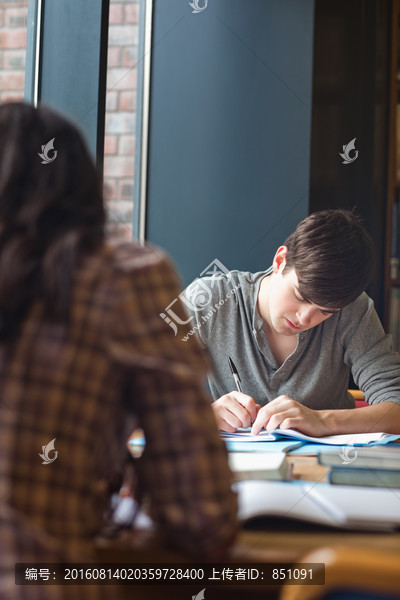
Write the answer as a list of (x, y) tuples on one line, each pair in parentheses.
[(119, 149), (121, 96), (13, 15)]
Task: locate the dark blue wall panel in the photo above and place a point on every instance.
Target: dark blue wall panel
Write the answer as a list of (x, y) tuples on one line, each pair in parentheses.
[(230, 123), (73, 64)]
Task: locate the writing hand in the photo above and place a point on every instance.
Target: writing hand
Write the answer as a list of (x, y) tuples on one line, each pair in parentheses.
[(235, 410), (286, 413)]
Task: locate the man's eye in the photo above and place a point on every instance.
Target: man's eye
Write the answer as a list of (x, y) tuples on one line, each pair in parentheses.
[(299, 298)]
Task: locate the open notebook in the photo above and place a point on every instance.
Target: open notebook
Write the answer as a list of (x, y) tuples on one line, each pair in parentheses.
[(355, 439), (344, 507)]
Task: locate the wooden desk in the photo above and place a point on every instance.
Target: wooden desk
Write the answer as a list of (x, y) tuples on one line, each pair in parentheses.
[(290, 543), (287, 543)]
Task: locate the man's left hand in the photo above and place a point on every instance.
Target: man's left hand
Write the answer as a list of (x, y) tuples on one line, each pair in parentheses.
[(286, 413)]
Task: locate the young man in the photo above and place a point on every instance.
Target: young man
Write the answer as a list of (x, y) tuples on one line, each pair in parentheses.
[(296, 331)]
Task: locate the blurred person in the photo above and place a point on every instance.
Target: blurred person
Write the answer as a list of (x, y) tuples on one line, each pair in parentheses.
[(84, 360)]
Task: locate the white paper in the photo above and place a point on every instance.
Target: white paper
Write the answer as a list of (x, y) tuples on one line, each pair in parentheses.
[(244, 435), (348, 507)]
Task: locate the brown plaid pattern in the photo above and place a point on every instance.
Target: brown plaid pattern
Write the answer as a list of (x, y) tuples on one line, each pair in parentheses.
[(116, 366)]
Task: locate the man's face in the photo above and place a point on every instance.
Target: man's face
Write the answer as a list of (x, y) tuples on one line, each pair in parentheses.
[(281, 306)]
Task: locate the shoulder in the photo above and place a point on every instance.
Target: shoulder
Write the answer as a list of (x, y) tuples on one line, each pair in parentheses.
[(231, 284), (361, 304), (358, 316), (124, 270), (129, 261), (356, 311), (130, 256), (360, 319), (222, 299)]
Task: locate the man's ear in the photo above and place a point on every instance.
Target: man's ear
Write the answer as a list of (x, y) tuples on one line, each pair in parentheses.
[(280, 259)]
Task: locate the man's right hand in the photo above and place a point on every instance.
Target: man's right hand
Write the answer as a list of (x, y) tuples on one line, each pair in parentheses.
[(235, 410)]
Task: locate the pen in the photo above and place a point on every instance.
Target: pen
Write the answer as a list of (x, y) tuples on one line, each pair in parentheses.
[(235, 375)]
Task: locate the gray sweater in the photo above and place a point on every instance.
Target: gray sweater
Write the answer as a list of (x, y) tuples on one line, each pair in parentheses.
[(226, 319)]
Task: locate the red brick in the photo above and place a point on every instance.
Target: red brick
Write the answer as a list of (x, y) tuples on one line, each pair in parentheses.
[(118, 166), (12, 81), (112, 101), (14, 59), (127, 101), (126, 193), (114, 57), (119, 122), (120, 231), (121, 79), (126, 145), (129, 58), (110, 189), (11, 97), (110, 144), (123, 35), (120, 211), (116, 14), (13, 39), (132, 13), (15, 17)]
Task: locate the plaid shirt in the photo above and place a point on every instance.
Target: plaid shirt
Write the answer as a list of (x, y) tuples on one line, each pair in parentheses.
[(115, 366)]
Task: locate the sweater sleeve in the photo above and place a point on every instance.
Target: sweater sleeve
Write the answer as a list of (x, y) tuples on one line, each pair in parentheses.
[(368, 350)]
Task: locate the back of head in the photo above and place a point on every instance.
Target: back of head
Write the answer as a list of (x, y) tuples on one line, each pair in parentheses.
[(49, 197), (51, 209), (333, 257)]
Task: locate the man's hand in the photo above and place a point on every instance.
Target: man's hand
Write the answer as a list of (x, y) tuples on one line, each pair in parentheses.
[(286, 413), (235, 410)]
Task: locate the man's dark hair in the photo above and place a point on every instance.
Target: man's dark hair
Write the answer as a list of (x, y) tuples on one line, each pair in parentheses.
[(333, 257), (51, 215)]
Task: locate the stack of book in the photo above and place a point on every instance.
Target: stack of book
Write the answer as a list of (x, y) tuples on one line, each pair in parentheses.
[(339, 506), (373, 467), (273, 466), (394, 319), (394, 313), (395, 241)]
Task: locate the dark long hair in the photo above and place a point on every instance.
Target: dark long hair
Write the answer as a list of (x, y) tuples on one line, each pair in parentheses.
[(51, 213)]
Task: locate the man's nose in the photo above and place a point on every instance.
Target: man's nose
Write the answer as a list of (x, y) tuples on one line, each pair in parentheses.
[(304, 315)]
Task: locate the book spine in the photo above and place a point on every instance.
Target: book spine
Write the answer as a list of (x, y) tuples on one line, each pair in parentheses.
[(364, 477), (394, 321), (395, 242)]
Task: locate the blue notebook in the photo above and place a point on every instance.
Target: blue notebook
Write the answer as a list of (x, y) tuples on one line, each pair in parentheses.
[(313, 449), (232, 446), (275, 446)]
